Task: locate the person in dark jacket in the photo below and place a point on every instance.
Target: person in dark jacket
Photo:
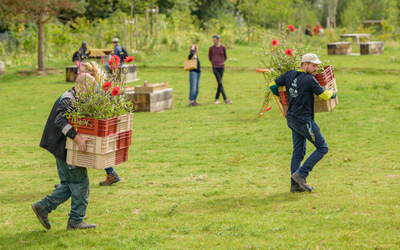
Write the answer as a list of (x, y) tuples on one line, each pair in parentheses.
[(194, 77), (74, 180), (81, 54), (308, 31)]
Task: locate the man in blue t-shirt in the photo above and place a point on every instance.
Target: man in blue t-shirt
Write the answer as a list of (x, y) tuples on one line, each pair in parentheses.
[(301, 86)]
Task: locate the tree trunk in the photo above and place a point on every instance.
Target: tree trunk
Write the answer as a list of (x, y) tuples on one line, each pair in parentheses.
[(41, 42)]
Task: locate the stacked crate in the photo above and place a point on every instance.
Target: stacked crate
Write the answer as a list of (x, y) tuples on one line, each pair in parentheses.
[(327, 80), (108, 145)]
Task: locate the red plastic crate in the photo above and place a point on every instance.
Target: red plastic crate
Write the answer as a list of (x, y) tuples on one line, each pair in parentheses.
[(96, 127), (325, 77), (121, 155), (285, 107), (124, 139), (284, 97)]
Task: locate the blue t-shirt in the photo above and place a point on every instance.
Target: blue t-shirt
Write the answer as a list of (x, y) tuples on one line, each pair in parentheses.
[(301, 88)]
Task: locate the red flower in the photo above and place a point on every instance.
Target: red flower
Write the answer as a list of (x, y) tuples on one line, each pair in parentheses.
[(288, 52), (129, 59), (268, 109), (113, 63), (107, 86), (115, 91), (291, 28), (275, 42), (102, 60)]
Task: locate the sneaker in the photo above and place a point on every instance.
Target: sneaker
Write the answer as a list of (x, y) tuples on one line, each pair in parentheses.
[(81, 225), (56, 185), (228, 102), (110, 179), (42, 215), (301, 181), (196, 103), (192, 104), (216, 101), (296, 189)]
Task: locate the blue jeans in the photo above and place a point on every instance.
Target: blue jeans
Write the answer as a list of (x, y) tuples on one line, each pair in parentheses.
[(300, 135), (109, 170), (74, 185), (194, 80)]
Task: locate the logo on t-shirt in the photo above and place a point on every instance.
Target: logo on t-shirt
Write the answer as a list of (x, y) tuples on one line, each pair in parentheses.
[(293, 89)]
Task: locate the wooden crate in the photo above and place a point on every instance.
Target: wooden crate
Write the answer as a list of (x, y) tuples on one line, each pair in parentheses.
[(371, 48), (152, 102), (1, 68), (71, 73), (339, 48), (151, 88)]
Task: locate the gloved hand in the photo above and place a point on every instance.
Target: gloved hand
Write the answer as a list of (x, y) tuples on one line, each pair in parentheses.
[(334, 94)]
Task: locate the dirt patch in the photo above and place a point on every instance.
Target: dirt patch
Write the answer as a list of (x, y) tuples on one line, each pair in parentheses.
[(36, 72)]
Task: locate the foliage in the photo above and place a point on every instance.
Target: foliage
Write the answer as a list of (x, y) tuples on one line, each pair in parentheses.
[(103, 100)]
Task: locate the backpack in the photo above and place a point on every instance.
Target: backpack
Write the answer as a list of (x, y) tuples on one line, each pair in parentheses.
[(75, 57), (125, 53)]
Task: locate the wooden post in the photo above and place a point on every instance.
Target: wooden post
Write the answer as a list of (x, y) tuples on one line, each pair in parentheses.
[(1, 68), (131, 32), (157, 20), (299, 33), (125, 32), (147, 22), (137, 33), (151, 19)]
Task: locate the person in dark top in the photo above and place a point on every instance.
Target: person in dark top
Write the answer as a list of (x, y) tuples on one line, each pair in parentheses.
[(80, 55), (301, 86), (217, 56), (74, 180), (308, 31), (194, 77)]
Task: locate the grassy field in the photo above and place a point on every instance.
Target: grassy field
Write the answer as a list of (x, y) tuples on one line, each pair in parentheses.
[(209, 177)]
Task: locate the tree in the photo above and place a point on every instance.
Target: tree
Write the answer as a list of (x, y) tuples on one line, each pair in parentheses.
[(41, 11)]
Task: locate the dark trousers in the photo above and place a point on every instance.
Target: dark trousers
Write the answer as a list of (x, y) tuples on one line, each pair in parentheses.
[(219, 72), (74, 185), (300, 135)]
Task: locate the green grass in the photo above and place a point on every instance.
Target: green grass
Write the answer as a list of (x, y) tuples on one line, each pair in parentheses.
[(210, 177)]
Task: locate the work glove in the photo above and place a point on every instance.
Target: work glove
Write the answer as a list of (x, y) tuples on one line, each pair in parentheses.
[(334, 94)]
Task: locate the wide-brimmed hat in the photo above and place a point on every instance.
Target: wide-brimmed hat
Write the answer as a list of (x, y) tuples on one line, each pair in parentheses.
[(115, 40), (312, 58)]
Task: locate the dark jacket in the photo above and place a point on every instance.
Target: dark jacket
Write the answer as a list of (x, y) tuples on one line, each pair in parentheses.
[(198, 70), (57, 127)]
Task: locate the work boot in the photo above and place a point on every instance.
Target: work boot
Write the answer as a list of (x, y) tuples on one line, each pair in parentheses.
[(110, 179), (296, 189), (71, 225), (301, 181), (42, 215)]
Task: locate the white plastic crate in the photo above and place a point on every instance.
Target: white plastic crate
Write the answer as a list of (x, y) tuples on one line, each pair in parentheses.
[(124, 123)]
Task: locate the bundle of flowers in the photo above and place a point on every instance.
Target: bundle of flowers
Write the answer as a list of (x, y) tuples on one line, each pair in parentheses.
[(105, 98), (281, 53)]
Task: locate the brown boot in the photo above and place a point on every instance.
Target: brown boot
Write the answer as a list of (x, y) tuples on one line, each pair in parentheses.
[(110, 179)]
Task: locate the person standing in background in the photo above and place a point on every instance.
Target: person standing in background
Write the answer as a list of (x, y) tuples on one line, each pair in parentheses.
[(308, 31), (194, 77), (217, 56), (318, 30)]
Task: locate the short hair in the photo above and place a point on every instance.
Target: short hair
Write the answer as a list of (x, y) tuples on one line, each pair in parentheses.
[(216, 37)]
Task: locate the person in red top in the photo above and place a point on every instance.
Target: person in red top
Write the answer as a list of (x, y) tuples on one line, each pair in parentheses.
[(318, 29), (217, 56)]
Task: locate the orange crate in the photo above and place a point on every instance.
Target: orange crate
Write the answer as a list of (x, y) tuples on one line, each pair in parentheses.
[(121, 155), (325, 77), (96, 127), (283, 96), (124, 139)]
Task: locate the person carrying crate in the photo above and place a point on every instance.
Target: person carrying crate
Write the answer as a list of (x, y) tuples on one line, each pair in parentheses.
[(74, 180), (301, 86)]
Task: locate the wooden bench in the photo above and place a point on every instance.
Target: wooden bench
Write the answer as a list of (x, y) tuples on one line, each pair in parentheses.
[(1, 68), (71, 73), (371, 48), (339, 48)]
